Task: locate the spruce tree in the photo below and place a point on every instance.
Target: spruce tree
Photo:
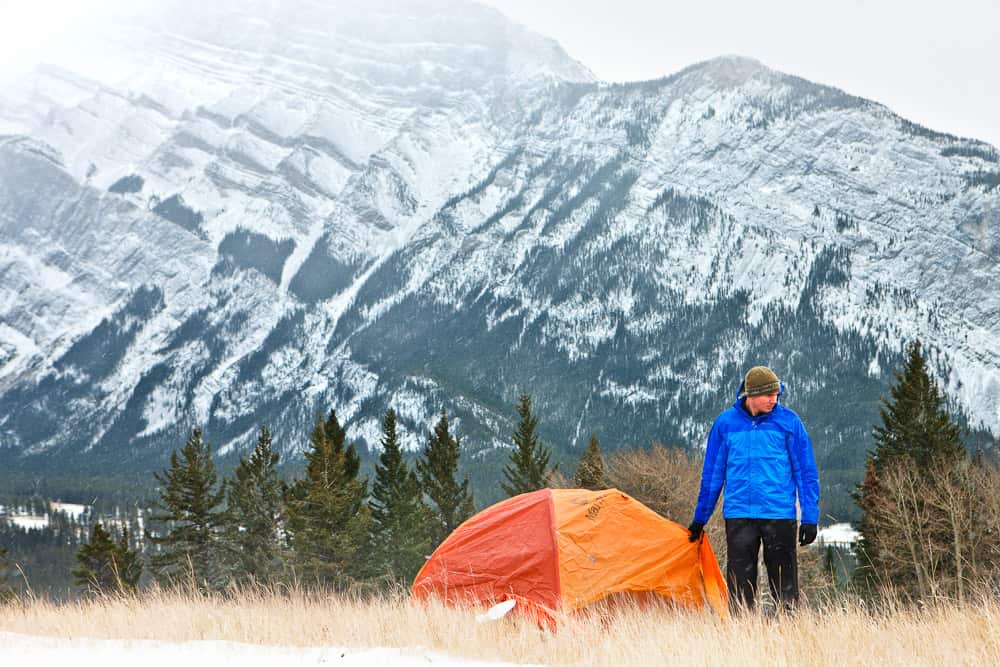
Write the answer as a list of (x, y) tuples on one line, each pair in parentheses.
[(131, 562), (916, 429), (97, 567), (337, 437), (328, 519), (915, 422), (189, 513), (590, 469), (437, 470), (106, 566), (400, 520), (529, 461), (254, 515)]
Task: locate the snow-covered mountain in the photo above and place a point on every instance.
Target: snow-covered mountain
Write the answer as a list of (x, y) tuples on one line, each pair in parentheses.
[(264, 210)]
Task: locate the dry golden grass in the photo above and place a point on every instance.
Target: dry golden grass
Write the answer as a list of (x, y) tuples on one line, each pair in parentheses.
[(843, 634)]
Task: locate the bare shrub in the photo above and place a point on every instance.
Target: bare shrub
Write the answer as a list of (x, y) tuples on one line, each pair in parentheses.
[(667, 479), (558, 480), (938, 530)]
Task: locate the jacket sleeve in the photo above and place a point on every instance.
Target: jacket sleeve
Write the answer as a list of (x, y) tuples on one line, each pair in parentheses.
[(804, 471), (713, 474)]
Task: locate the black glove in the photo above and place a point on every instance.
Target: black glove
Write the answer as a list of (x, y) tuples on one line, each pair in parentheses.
[(695, 529), (807, 534)]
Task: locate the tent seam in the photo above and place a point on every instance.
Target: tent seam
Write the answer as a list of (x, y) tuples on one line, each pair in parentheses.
[(555, 549)]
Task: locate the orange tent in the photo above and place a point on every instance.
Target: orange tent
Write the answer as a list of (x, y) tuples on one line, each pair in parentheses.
[(557, 550)]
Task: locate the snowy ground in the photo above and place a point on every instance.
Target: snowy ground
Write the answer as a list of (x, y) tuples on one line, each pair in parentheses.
[(18, 649)]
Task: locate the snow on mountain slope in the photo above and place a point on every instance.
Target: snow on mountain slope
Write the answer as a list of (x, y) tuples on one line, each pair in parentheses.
[(300, 142)]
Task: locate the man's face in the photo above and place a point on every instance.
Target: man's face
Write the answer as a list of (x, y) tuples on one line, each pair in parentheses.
[(758, 405)]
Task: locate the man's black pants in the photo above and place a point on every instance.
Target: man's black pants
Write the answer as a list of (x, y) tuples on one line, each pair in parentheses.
[(743, 541)]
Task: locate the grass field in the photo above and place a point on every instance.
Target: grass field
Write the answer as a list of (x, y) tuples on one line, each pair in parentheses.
[(843, 634)]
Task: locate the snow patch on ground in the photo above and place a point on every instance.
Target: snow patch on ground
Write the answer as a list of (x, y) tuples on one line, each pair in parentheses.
[(24, 650)]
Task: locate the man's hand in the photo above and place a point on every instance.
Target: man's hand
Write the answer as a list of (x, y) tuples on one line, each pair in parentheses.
[(807, 534), (695, 531)]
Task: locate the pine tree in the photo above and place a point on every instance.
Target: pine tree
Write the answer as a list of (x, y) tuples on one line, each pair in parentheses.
[(915, 422), (189, 511), (131, 562), (437, 470), (400, 521), (106, 566), (254, 515), (590, 469), (328, 519), (528, 469)]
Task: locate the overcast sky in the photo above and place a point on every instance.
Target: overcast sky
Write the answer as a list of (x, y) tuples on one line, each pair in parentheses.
[(935, 63)]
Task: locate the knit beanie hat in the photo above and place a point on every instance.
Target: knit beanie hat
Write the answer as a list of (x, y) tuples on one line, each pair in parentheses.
[(760, 380)]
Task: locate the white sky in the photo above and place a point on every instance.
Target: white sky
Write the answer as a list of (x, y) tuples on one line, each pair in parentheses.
[(33, 31), (934, 63), (32, 28)]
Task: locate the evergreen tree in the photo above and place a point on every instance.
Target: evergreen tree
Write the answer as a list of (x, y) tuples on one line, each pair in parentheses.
[(437, 470), (328, 519), (590, 469), (106, 566), (400, 520), (254, 536), (337, 437), (528, 469), (915, 422), (917, 431), (189, 511), (467, 507)]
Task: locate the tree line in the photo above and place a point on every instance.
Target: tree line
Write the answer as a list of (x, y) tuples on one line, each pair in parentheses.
[(329, 528), (930, 526)]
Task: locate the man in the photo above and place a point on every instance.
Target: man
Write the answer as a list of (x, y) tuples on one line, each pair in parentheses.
[(762, 454)]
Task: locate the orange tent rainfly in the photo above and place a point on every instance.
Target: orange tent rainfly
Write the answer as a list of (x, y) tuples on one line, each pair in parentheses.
[(557, 550)]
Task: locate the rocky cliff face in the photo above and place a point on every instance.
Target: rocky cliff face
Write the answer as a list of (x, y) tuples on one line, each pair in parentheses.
[(275, 212)]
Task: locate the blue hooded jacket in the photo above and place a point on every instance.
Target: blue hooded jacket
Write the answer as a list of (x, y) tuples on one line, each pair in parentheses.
[(763, 462)]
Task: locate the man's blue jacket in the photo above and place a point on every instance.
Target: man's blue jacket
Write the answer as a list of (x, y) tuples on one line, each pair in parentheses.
[(762, 461)]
